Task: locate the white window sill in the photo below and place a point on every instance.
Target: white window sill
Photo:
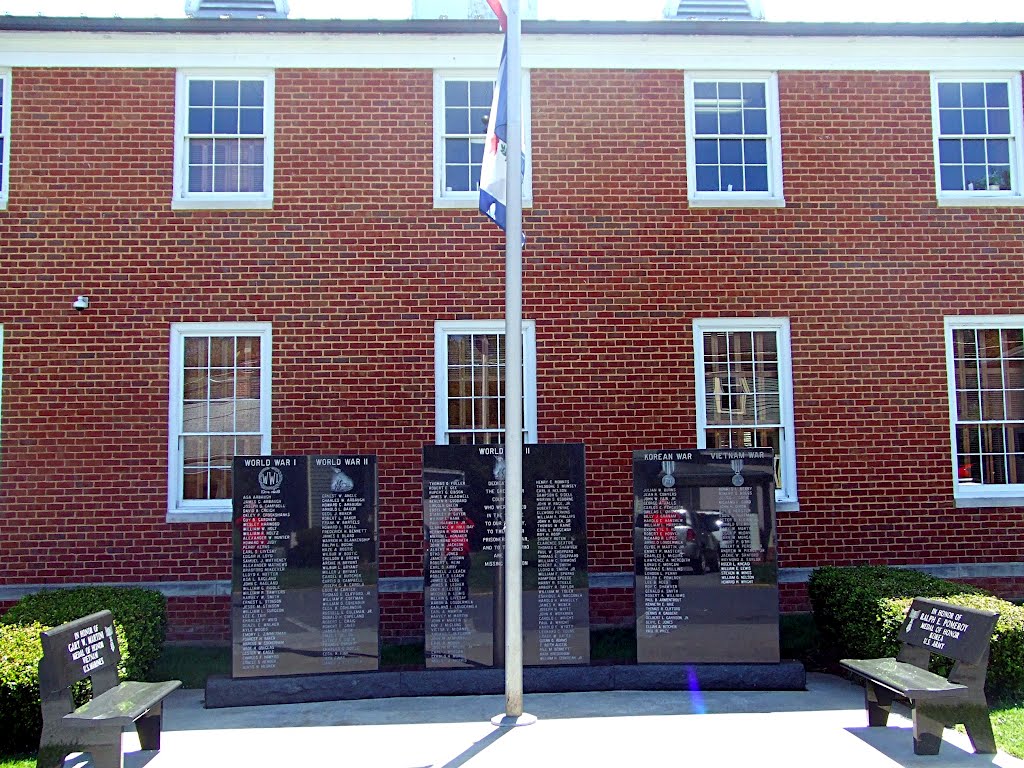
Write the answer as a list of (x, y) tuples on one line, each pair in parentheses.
[(737, 202), (469, 202), (983, 502), (3, 202), (979, 199), (787, 506), (199, 516), (222, 203)]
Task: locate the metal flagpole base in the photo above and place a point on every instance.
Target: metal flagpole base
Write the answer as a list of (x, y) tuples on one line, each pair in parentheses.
[(507, 721)]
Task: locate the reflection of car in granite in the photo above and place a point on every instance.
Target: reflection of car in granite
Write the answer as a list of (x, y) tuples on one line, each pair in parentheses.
[(697, 535), (696, 532)]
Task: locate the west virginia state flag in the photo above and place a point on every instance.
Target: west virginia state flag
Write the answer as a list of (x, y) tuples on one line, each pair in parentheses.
[(494, 169)]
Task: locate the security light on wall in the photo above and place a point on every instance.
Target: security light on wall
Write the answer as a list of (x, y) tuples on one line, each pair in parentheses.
[(82, 302)]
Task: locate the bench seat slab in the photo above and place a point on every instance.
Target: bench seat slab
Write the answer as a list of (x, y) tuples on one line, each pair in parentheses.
[(906, 679), (123, 704)]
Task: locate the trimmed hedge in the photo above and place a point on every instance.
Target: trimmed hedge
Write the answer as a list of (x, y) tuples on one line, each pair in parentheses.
[(140, 614), (140, 620), (20, 652), (858, 611)]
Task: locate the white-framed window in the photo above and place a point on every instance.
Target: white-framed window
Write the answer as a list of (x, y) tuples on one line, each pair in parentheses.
[(469, 376), (5, 133), (745, 391), (224, 139), (219, 409), (462, 103), (976, 120), (733, 139), (985, 367)]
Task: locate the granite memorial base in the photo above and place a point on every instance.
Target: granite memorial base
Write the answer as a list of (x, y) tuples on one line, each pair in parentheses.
[(222, 691)]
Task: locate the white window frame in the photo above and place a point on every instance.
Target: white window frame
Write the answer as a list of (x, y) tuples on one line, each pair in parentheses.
[(1014, 196), (208, 510), (182, 199), (976, 495), (786, 497), (471, 199), (774, 197), (445, 328), (5, 133)]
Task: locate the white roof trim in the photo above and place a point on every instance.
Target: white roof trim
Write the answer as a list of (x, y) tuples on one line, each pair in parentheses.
[(431, 51)]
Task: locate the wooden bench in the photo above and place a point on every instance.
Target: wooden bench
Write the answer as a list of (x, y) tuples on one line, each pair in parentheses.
[(87, 648), (958, 633)]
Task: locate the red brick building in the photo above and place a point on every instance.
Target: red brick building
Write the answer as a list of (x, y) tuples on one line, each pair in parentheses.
[(808, 236)]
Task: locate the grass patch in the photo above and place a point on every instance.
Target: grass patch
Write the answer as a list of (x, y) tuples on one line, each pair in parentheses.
[(191, 664), (405, 656), (1008, 724), (18, 761), (615, 645)]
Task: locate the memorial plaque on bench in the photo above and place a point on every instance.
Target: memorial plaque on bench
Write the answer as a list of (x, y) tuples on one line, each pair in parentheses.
[(704, 547), (304, 587), (464, 511)]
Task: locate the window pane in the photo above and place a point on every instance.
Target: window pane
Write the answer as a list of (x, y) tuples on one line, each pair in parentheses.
[(247, 415), (756, 178), (250, 121), (707, 178), (480, 92), (456, 121), (200, 93), (732, 178), (196, 382), (456, 150), (951, 177), (949, 94), (973, 94), (251, 93), (705, 122), (456, 92), (730, 151), (730, 121), (950, 122), (225, 93), (754, 95), (755, 151), (755, 121), (200, 120), (195, 416), (706, 151)]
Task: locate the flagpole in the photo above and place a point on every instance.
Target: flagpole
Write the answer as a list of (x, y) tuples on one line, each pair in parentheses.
[(513, 558)]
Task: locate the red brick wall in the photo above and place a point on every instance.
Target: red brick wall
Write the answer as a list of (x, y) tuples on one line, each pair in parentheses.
[(353, 265)]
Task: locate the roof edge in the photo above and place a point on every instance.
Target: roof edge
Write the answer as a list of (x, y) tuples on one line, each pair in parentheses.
[(483, 26)]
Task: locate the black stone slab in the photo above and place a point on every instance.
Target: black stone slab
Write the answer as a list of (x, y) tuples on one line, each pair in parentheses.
[(704, 547), (463, 511), (239, 692), (304, 587)]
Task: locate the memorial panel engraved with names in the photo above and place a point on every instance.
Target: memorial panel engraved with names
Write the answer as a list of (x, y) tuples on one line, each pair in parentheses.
[(304, 588), (464, 509), (704, 547)]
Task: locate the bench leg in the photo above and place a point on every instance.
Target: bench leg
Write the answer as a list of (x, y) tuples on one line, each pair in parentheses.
[(928, 725), (52, 755), (878, 702), (979, 727), (148, 727), (106, 755)]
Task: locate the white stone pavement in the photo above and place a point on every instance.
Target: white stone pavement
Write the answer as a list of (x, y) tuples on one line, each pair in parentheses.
[(822, 727)]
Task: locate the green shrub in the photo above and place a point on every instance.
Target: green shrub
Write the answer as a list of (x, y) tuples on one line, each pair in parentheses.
[(846, 604), (858, 611), (1006, 657), (140, 615), (20, 651)]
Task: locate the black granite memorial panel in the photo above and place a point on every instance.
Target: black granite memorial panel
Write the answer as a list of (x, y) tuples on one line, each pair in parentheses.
[(304, 587), (704, 546), (464, 510)]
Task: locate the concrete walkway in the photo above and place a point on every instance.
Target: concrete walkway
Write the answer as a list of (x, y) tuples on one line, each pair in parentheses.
[(823, 727)]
